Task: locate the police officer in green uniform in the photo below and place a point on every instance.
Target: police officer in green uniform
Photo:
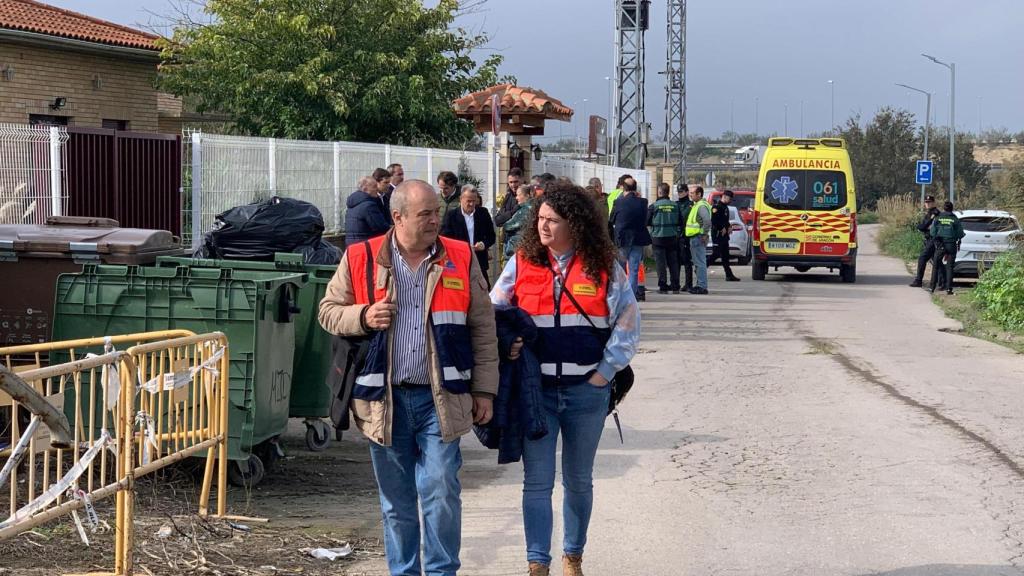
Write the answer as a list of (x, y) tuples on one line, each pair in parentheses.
[(666, 225), (946, 234), (685, 259)]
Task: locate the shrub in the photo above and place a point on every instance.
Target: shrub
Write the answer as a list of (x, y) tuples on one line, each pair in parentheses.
[(867, 217), (899, 236), (1000, 291)]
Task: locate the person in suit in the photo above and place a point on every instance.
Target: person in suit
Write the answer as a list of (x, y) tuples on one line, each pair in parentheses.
[(629, 224), (397, 177), (472, 223)]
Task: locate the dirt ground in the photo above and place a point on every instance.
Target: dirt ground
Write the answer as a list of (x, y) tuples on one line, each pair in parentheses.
[(311, 500)]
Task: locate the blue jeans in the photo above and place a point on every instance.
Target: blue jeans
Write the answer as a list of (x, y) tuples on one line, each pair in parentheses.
[(578, 412), (699, 254), (633, 257), (419, 467)]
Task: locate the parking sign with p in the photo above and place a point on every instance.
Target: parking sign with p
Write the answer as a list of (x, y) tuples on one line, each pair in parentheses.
[(924, 172)]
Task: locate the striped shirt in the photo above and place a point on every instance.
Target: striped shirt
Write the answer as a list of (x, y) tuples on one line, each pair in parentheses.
[(409, 338)]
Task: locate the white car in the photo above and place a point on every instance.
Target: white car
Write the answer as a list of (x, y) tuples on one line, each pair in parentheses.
[(988, 233), (739, 239)]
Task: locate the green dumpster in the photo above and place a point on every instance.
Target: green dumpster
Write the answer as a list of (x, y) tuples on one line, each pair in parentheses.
[(311, 394), (255, 309)]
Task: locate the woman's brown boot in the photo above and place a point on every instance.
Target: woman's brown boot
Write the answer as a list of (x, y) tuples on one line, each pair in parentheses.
[(538, 569), (572, 565)]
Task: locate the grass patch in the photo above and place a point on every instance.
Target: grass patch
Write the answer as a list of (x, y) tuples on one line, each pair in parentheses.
[(899, 236), (965, 307), (821, 346), (868, 218)]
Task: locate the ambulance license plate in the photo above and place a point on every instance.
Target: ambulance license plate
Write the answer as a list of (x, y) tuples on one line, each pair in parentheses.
[(781, 244)]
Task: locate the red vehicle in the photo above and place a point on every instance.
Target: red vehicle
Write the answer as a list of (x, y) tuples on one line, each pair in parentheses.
[(743, 200)]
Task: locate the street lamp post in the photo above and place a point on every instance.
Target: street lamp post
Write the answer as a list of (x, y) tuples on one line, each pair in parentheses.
[(952, 121), (801, 118), (756, 105), (927, 123), (832, 117)]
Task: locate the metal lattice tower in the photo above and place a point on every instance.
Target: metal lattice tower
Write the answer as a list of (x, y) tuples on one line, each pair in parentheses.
[(675, 90), (631, 18)]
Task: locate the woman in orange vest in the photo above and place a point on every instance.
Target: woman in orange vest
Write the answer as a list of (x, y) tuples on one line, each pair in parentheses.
[(564, 274)]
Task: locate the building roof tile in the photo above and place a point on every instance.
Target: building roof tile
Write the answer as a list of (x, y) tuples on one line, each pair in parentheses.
[(32, 16), (514, 100)]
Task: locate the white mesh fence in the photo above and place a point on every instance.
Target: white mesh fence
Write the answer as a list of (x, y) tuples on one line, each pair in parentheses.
[(581, 172), (32, 173), (222, 172)]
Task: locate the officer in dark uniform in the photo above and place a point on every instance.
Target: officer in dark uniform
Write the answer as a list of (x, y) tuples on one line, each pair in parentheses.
[(721, 229), (685, 259), (946, 233), (928, 249)]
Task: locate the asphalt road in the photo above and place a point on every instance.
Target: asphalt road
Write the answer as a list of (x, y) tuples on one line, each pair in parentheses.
[(797, 426)]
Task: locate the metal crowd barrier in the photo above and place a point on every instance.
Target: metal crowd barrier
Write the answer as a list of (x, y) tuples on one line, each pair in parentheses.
[(129, 413)]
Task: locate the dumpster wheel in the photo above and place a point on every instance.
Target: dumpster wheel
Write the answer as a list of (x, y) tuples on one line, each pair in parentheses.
[(318, 435), (246, 473)]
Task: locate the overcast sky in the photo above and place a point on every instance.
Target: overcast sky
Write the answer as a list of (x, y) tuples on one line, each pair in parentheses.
[(780, 53)]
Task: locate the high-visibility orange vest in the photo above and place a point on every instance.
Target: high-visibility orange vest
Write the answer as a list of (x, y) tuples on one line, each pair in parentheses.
[(569, 347), (449, 309)]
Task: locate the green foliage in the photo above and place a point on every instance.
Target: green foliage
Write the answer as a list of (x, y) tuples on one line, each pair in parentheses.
[(1000, 291), (883, 154), (899, 236), (970, 175), (363, 70), (869, 217)]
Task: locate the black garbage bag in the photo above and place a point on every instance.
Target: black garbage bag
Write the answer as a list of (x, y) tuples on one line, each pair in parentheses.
[(320, 252), (258, 231)]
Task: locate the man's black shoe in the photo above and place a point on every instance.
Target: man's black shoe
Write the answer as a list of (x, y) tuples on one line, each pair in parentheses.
[(675, 291), (698, 290), (662, 291), (950, 292), (732, 279), (916, 284)]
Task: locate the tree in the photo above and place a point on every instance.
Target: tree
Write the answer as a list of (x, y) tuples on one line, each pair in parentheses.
[(970, 175), (364, 70), (882, 154)]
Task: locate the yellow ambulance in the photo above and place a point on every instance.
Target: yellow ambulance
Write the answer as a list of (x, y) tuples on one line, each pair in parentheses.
[(805, 208)]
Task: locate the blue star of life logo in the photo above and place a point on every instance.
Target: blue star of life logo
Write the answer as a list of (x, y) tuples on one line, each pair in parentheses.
[(784, 190)]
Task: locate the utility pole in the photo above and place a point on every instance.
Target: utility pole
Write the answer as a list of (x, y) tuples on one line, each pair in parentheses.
[(675, 89), (631, 21)]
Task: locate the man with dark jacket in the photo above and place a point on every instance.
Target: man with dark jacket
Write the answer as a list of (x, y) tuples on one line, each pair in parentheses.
[(509, 204), (928, 249), (629, 223), (721, 230), (946, 232), (666, 226), (471, 223), (397, 177), (447, 182), (364, 218), (685, 259)]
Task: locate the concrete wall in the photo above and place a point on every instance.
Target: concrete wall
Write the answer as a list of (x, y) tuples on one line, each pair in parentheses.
[(126, 90)]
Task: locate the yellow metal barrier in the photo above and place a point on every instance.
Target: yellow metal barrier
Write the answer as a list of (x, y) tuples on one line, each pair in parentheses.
[(131, 412)]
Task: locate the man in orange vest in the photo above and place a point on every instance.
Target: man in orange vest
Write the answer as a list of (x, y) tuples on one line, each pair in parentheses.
[(430, 373)]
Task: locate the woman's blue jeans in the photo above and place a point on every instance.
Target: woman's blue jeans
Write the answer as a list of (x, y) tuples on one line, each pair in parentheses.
[(577, 413)]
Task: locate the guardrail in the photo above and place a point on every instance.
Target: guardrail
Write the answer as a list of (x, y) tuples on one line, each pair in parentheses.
[(130, 412)]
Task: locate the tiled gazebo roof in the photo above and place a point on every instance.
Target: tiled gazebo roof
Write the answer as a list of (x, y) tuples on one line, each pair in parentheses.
[(523, 109)]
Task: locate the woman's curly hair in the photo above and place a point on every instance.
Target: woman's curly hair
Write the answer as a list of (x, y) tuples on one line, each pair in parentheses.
[(589, 234)]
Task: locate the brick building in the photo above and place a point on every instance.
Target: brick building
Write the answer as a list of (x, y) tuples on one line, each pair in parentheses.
[(61, 67)]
